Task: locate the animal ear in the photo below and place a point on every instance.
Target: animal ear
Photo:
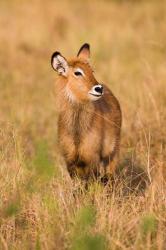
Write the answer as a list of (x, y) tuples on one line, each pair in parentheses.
[(59, 63), (84, 52)]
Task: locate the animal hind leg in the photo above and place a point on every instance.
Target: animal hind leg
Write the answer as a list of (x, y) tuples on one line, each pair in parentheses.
[(79, 169), (109, 166)]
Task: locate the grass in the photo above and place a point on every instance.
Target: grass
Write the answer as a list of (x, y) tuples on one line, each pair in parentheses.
[(40, 206)]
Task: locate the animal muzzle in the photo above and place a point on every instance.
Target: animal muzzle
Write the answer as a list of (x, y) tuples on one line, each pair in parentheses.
[(96, 91)]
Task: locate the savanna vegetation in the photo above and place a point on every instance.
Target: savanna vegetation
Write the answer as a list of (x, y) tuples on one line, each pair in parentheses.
[(40, 206)]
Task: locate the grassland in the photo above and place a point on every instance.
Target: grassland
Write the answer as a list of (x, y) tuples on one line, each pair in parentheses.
[(40, 207)]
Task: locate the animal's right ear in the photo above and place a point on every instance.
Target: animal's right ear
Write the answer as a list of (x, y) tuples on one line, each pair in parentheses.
[(59, 63)]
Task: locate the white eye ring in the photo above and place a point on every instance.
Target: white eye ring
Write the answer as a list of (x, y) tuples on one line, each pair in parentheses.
[(79, 72)]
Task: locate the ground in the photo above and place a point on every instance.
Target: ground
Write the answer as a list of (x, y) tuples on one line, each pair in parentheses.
[(40, 206)]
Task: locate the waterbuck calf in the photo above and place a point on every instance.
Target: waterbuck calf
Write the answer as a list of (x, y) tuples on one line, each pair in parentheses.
[(89, 121)]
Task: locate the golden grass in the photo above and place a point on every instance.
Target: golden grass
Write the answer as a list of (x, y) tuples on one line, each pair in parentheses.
[(40, 207)]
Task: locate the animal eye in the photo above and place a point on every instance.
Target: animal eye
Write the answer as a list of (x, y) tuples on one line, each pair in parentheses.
[(78, 73)]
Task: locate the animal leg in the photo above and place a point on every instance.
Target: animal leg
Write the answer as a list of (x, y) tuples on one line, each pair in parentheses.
[(109, 169)]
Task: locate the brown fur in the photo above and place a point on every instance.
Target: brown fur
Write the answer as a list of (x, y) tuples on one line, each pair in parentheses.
[(88, 131)]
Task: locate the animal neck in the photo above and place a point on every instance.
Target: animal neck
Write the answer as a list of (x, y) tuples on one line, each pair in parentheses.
[(79, 115), (77, 118)]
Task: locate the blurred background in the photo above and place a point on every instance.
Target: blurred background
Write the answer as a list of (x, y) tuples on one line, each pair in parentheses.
[(128, 52), (128, 48)]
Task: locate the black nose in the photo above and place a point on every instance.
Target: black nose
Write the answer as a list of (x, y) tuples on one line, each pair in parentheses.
[(99, 89)]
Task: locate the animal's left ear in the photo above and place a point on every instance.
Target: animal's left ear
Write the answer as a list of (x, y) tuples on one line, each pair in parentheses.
[(84, 52), (59, 63)]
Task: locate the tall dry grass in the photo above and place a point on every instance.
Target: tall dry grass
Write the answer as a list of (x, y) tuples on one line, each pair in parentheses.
[(40, 207)]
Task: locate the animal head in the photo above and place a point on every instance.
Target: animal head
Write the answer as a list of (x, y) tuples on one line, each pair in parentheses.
[(77, 74)]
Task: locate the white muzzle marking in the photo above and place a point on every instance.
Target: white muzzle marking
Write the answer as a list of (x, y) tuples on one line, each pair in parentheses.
[(95, 95)]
